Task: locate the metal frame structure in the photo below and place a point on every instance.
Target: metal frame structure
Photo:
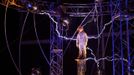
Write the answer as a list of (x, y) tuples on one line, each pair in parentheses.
[(56, 48), (122, 45), (56, 52), (82, 10), (121, 35), (118, 33)]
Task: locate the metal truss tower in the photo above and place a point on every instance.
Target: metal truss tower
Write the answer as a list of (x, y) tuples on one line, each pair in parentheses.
[(121, 36), (121, 42), (56, 48), (118, 37), (56, 53)]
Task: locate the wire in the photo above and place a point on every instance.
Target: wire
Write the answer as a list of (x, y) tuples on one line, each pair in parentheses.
[(96, 15), (39, 40), (7, 43), (21, 34)]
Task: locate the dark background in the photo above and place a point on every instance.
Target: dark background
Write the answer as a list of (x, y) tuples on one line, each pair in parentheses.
[(31, 55)]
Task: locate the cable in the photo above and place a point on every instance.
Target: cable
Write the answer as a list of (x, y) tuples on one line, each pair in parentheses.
[(96, 14), (108, 37), (21, 34), (39, 40), (86, 17), (7, 43)]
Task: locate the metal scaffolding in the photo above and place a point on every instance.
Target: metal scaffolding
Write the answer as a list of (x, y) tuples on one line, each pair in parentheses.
[(56, 66), (121, 51), (56, 48)]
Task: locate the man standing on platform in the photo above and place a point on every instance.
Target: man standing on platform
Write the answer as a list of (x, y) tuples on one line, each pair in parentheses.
[(81, 42)]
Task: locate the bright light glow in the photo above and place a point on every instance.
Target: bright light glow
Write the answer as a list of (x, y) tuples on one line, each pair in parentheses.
[(65, 22), (133, 70), (35, 7), (29, 5), (97, 0)]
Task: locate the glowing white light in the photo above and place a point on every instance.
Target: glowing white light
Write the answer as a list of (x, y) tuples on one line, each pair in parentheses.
[(35, 7), (133, 70), (42, 12), (65, 22), (97, 0)]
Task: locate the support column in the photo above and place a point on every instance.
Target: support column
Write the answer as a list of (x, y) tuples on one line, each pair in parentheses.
[(56, 46), (113, 43), (81, 66), (128, 46)]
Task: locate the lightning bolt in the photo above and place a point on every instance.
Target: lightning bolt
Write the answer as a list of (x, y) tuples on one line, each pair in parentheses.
[(107, 58), (89, 37), (97, 61)]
